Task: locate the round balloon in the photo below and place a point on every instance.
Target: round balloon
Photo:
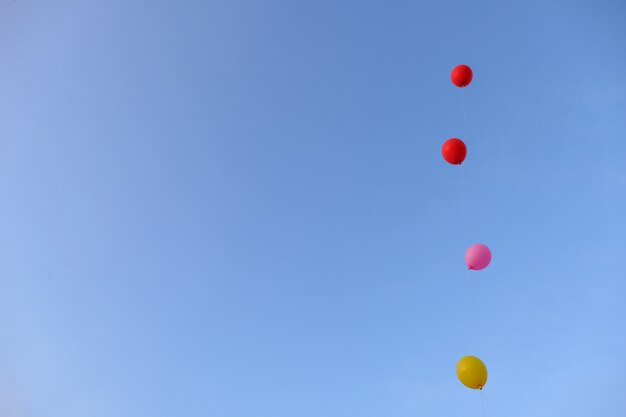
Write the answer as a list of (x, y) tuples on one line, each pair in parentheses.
[(477, 257), (454, 151), (472, 372), (461, 75)]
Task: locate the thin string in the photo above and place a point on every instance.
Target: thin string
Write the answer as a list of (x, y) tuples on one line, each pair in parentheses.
[(487, 404), (473, 291), (482, 401), (463, 199), (476, 318), (462, 171), (465, 128)]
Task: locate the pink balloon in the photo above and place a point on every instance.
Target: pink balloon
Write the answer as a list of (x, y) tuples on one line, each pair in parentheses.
[(478, 257)]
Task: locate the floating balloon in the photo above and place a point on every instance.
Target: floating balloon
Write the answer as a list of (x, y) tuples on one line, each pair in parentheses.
[(461, 76), (478, 257), (454, 151), (472, 372)]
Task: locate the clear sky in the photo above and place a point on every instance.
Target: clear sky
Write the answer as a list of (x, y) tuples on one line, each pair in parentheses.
[(239, 208)]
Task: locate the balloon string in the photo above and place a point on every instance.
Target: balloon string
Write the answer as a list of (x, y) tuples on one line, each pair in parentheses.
[(472, 291), (465, 129), (486, 404), (462, 209), (474, 302), (462, 198), (482, 401)]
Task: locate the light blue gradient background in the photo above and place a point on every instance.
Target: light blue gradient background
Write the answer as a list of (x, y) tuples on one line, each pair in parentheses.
[(239, 208)]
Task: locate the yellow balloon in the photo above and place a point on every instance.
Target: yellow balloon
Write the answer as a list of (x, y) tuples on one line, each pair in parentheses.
[(472, 372)]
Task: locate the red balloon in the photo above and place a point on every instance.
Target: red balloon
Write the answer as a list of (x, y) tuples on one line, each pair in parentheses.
[(461, 76), (454, 151)]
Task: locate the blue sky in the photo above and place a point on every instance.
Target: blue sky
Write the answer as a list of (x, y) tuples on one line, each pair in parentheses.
[(239, 208)]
